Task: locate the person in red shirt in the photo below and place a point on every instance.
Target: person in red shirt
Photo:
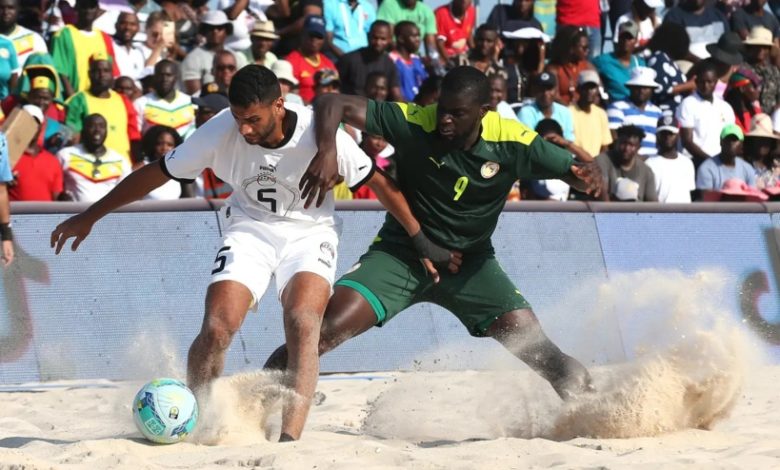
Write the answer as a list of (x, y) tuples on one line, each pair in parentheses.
[(454, 26), (37, 173), (582, 14), (307, 59)]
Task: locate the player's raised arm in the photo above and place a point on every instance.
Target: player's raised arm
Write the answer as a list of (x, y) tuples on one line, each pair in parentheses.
[(137, 185), (330, 111)]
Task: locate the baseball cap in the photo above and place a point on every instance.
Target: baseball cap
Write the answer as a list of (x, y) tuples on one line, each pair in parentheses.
[(667, 122), (326, 77), (629, 27), (589, 76), (215, 18), (732, 130), (314, 24), (546, 80)]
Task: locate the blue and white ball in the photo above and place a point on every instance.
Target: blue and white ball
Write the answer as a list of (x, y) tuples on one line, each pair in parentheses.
[(165, 411)]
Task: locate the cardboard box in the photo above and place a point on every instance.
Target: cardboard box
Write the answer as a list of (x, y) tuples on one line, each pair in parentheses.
[(19, 129)]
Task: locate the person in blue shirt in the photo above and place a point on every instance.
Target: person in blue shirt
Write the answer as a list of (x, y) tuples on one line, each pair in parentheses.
[(411, 71), (9, 67), (715, 171), (544, 106), (615, 67), (7, 255), (347, 23)]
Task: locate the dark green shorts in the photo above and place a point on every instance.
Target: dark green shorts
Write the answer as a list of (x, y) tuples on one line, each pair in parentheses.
[(392, 278)]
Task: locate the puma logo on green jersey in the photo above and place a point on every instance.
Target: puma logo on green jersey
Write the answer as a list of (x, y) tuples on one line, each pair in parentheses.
[(438, 164)]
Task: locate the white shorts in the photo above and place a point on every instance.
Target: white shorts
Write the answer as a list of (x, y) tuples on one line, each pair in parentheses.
[(253, 251)]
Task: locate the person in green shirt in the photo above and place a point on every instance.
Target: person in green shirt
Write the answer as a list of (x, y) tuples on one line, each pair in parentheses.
[(395, 11), (456, 163)]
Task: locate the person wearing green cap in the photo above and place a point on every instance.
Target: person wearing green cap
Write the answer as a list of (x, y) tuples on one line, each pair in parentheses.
[(715, 171)]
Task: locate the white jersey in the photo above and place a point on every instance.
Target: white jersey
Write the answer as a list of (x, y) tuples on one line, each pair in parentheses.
[(265, 181)]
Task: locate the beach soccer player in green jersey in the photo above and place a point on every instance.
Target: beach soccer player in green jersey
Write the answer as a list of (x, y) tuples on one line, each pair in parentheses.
[(456, 163)]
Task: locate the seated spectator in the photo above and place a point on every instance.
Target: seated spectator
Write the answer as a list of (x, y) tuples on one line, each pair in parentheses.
[(675, 176), (382, 153), (628, 177), (517, 15), (668, 45), (726, 55), (556, 190), (37, 175), (355, 66), (703, 22), (244, 15), (760, 147), (165, 105), (129, 56), (156, 142), (498, 98), (752, 15), (701, 115), (742, 95), (123, 136), (196, 68), (287, 81), (637, 109), (25, 41), (544, 106), (643, 14), (758, 46), (263, 37), (591, 127), (347, 24), (714, 172), (395, 11), (288, 22), (207, 185), (429, 91), (455, 22), (160, 42), (484, 55), (326, 81), (9, 68), (126, 86), (90, 169), (615, 67), (568, 58), (223, 68), (523, 58), (40, 64), (584, 14), (376, 86), (308, 58), (411, 71)]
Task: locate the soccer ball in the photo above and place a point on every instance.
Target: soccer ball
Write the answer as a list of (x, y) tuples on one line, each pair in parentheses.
[(165, 411)]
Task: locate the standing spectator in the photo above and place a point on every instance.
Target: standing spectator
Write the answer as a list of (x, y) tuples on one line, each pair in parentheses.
[(129, 56), (308, 59), (628, 177), (122, 134), (244, 15), (355, 66), (568, 58), (347, 23), (702, 115), (287, 81), (156, 142), (582, 14), (160, 42), (704, 24), (6, 235), (544, 106), (615, 67), (74, 45), (9, 68), (483, 56), (288, 17), (411, 71), (196, 68), (37, 174), (517, 15), (455, 22), (183, 15), (726, 54), (165, 105), (638, 109), (395, 11), (591, 127), (544, 12), (668, 45), (25, 41), (675, 177), (715, 171), (643, 14), (742, 95), (223, 67), (523, 58), (498, 98), (758, 46), (753, 15), (91, 169), (263, 37)]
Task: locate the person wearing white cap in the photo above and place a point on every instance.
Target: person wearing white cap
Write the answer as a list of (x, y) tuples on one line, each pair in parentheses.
[(643, 13), (752, 15), (638, 109), (196, 67), (758, 47), (287, 81), (263, 37), (591, 128), (675, 176)]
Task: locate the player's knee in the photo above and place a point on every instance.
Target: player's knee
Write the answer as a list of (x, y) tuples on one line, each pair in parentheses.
[(218, 331), (301, 322)]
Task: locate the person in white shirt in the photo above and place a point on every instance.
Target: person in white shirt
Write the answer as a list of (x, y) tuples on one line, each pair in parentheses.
[(90, 169), (262, 147), (26, 41), (165, 105), (128, 55), (675, 177)]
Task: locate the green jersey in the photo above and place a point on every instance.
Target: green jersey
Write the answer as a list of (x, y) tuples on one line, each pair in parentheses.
[(458, 195)]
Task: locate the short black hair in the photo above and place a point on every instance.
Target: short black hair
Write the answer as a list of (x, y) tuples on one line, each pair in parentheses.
[(468, 80), (547, 125), (706, 65), (485, 27), (92, 117), (630, 130), (253, 84), (380, 24), (401, 25), (159, 65)]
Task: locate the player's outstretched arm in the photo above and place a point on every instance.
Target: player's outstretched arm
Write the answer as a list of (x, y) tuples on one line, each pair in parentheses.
[(137, 185), (432, 255), (330, 110)]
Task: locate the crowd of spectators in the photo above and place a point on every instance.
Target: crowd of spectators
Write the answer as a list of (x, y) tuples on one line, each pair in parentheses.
[(676, 100)]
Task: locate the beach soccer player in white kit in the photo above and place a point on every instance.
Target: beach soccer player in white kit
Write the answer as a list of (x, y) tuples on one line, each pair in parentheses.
[(262, 146)]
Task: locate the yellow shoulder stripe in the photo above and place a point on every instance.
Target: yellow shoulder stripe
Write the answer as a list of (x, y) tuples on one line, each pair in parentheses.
[(497, 129), (424, 117)]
